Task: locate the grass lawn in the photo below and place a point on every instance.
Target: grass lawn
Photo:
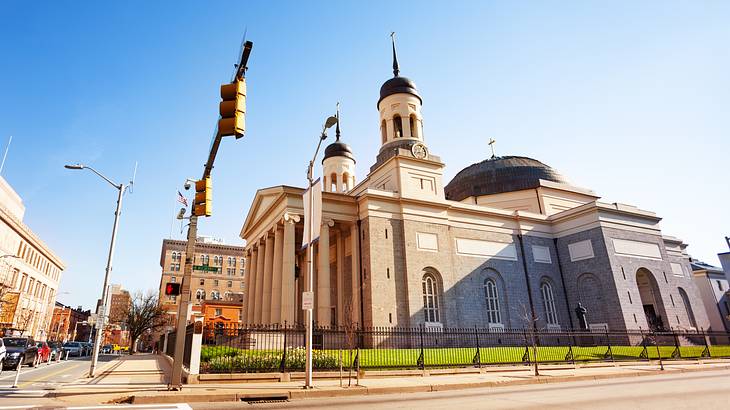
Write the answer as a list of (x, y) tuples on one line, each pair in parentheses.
[(229, 359)]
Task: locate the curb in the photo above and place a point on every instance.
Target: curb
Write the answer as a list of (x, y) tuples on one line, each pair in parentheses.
[(363, 391)]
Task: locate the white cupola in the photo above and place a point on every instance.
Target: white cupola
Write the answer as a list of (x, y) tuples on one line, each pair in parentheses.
[(338, 165)]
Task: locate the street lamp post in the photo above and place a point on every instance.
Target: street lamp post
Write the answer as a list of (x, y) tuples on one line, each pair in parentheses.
[(308, 319), (121, 188)]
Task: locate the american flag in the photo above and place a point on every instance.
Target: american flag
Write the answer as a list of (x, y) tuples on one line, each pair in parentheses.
[(181, 198)]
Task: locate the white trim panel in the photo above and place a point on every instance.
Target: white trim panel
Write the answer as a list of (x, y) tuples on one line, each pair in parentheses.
[(489, 249), (580, 250)]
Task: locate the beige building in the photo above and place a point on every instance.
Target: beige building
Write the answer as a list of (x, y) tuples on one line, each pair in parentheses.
[(218, 271), (29, 272), (506, 240)]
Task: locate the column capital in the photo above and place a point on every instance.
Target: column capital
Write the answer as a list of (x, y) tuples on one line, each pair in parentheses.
[(328, 222), (291, 218)]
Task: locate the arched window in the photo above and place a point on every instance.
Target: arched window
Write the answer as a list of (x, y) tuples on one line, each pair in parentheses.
[(333, 183), (491, 295), (398, 126), (383, 131), (215, 295), (345, 181), (227, 295), (430, 299), (687, 307), (200, 294), (205, 259), (413, 122), (548, 302)]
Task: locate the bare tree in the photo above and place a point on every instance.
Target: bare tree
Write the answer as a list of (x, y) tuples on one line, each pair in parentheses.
[(6, 302), (528, 315), (24, 320), (144, 313)]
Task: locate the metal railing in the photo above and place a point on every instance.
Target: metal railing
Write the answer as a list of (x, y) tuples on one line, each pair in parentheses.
[(233, 348)]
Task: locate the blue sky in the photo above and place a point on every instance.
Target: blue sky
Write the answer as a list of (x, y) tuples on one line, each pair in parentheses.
[(628, 99)]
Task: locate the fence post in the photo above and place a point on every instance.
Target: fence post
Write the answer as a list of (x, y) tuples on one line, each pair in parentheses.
[(282, 365), (421, 358), (478, 357), (644, 352), (659, 353), (707, 352), (677, 353), (526, 355), (609, 352)]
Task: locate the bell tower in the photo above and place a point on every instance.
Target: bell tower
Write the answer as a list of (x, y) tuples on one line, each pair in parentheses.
[(400, 109), (338, 165)]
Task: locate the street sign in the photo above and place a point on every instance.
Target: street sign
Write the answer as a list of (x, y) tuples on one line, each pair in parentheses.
[(205, 268), (307, 300)]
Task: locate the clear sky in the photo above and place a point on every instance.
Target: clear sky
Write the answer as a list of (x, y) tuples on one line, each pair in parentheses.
[(630, 99)]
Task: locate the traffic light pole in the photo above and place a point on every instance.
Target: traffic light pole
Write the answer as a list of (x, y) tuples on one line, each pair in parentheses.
[(184, 306)]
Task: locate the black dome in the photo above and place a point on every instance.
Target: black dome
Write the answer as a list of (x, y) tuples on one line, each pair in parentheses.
[(338, 149), (500, 174), (397, 85)]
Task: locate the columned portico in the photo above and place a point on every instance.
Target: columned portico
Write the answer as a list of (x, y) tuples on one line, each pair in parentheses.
[(251, 284), (268, 273), (277, 273), (324, 302)]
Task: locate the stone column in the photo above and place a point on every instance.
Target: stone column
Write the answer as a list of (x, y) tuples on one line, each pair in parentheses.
[(268, 274), (251, 284), (355, 300), (340, 279), (324, 303), (259, 283), (288, 292), (276, 279)]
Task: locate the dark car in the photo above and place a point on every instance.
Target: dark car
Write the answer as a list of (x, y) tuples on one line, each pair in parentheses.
[(21, 351)]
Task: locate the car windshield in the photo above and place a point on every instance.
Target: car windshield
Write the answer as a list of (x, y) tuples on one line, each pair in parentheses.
[(14, 342)]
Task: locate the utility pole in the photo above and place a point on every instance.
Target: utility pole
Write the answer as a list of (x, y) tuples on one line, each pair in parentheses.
[(230, 123)]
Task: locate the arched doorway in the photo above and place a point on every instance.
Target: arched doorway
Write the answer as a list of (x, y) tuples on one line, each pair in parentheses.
[(651, 299)]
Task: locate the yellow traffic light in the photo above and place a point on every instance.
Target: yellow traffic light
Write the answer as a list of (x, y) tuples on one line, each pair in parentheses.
[(233, 109), (203, 204)]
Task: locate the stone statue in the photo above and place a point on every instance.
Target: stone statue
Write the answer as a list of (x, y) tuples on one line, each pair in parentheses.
[(581, 311)]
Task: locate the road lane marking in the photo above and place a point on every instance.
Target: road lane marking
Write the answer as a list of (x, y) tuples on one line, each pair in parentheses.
[(46, 376), (32, 369)]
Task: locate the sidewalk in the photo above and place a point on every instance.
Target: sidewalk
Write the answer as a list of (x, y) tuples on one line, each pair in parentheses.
[(142, 379)]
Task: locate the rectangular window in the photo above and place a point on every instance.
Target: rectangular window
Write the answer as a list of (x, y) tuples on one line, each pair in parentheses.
[(202, 282), (230, 284), (719, 285), (218, 312), (172, 279)]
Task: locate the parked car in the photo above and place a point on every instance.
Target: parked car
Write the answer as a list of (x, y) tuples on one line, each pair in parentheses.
[(20, 351), (3, 353), (106, 349), (44, 351), (56, 350), (89, 348), (73, 348)]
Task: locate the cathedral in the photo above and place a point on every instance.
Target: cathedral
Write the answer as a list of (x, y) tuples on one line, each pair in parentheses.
[(506, 243)]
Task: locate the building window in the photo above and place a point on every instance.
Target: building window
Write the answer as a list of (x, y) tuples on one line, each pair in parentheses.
[(548, 301), (205, 260), (215, 295), (242, 285), (687, 307), (241, 271), (200, 294), (202, 282), (430, 299), (383, 132), (491, 294), (172, 279), (218, 312), (230, 284), (215, 282), (413, 122)]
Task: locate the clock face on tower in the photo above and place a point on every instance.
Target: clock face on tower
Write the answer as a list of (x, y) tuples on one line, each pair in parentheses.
[(419, 151)]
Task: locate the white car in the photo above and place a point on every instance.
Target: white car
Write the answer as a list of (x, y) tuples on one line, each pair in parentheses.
[(3, 353)]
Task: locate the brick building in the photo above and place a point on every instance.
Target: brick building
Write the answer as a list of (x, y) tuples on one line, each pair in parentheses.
[(69, 324), (218, 272), (507, 238)]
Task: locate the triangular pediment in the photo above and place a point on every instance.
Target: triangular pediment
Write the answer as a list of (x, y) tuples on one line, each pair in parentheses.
[(262, 201)]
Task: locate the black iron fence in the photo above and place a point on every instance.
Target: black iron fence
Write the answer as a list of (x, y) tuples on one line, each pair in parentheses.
[(249, 348), (170, 348)]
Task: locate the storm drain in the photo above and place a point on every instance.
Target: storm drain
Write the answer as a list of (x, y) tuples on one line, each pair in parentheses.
[(265, 400)]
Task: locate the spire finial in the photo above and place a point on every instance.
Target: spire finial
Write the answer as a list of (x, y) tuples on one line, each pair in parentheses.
[(396, 69), (337, 130)]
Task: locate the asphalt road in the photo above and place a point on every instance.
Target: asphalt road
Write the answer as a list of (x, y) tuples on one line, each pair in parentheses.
[(45, 377), (696, 390)]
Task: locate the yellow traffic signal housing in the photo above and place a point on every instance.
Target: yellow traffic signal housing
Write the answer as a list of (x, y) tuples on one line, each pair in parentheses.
[(233, 109), (203, 204)]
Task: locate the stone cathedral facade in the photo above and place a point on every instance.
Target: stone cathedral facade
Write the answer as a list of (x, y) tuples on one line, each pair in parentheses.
[(506, 240)]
